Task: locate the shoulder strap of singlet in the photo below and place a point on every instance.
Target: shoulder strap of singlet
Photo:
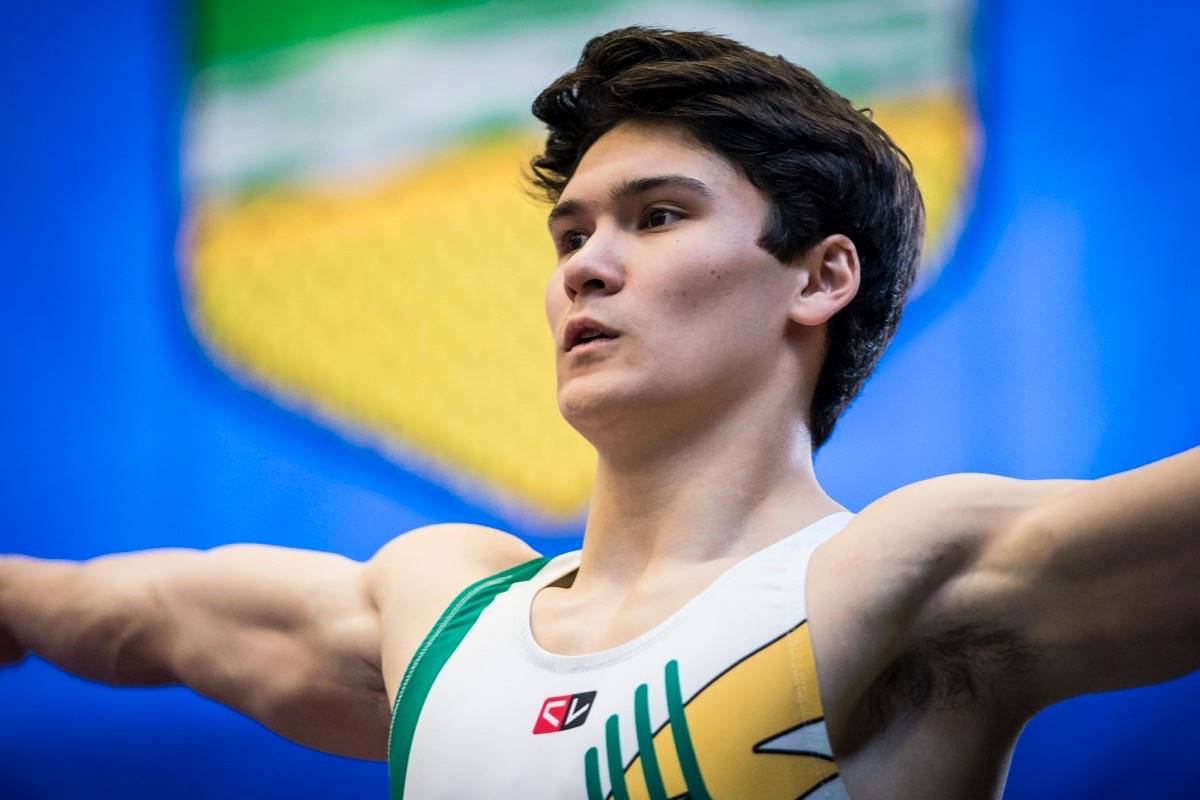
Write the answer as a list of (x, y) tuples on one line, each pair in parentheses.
[(452, 626)]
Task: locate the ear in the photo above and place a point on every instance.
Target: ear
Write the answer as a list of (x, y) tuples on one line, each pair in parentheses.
[(828, 277)]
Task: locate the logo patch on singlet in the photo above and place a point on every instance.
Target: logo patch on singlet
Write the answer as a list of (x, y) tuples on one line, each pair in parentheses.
[(563, 712)]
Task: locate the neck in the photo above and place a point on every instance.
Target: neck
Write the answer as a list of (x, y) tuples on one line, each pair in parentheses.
[(699, 499)]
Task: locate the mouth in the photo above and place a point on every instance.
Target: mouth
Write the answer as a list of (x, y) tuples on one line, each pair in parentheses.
[(586, 334), (587, 345)]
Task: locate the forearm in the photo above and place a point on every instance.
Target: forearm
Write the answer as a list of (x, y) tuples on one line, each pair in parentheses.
[(97, 619)]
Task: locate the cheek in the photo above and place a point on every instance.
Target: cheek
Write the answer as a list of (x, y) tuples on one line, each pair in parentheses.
[(713, 284), (728, 299)]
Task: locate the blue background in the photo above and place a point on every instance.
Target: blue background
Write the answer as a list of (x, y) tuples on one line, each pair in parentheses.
[(1060, 342)]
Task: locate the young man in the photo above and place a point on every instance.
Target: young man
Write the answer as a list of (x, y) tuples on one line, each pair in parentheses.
[(734, 244)]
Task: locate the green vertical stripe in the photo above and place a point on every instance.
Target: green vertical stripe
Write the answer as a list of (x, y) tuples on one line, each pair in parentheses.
[(439, 644), (683, 739), (591, 768), (645, 739), (616, 767)]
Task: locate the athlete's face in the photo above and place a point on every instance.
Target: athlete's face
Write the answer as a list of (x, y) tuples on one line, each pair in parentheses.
[(656, 241)]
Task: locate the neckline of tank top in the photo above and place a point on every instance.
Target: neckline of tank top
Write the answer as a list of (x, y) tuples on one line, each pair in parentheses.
[(814, 533)]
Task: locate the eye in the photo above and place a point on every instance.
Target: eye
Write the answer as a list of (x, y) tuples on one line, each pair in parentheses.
[(659, 216), (572, 240)]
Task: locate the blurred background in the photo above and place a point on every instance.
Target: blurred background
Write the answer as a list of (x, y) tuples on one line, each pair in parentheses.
[(267, 274)]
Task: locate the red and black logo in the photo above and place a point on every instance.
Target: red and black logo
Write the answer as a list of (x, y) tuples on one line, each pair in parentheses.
[(565, 711)]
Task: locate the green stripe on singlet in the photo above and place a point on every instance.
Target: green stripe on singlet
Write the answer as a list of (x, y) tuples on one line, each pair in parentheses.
[(645, 739), (683, 739), (439, 644), (591, 768), (616, 765)]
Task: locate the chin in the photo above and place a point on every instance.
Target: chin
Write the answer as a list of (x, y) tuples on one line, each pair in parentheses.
[(589, 403), (600, 407)]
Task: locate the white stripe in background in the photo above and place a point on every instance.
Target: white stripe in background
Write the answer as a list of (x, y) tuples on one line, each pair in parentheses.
[(342, 108)]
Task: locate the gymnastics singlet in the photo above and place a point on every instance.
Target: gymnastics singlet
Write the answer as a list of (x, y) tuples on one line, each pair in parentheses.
[(718, 701)]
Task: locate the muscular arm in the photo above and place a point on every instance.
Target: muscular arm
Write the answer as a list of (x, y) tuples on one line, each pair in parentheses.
[(1016, 594), (1102, 580), (301, 641), (288, 637)]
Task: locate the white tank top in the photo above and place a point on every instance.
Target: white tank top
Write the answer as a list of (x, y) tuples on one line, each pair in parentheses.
[(719, 700)]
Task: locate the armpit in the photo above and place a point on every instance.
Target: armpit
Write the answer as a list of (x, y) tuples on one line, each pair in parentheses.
[(957, 669)]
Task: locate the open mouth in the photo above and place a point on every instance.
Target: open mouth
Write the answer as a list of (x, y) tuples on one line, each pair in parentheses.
[(591, 340), (586, 333)]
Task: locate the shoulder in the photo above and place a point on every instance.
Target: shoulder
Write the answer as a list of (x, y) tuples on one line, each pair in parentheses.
[(935, 527), (442, 559), (965, 501), (923, 529), (415, 576), (908, 544)]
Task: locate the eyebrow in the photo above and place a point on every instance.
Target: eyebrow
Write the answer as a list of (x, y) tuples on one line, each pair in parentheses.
[(631, 187)]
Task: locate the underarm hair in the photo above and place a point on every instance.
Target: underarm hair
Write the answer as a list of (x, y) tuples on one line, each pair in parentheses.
[(956, 669)]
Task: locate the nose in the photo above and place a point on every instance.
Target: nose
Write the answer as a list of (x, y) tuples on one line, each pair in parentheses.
[(594, 268)]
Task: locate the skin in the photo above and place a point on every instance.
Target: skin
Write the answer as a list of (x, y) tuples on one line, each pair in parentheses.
[(943, 617), (717, 340)]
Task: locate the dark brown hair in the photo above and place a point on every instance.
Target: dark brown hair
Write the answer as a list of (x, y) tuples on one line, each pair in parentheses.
[(826, 167)]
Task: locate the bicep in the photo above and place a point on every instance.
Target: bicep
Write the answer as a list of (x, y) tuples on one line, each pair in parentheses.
[(1101, 582), (288, 637), (1093, 581)]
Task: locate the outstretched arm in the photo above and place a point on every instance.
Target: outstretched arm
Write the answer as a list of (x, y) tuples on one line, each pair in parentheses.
[(288, 637), (1104, 580), (1041, 590)]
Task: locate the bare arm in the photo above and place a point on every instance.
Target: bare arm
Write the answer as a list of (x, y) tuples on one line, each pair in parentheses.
[(1016, 594), (1103, 580), (296, 639), (288, 637)]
